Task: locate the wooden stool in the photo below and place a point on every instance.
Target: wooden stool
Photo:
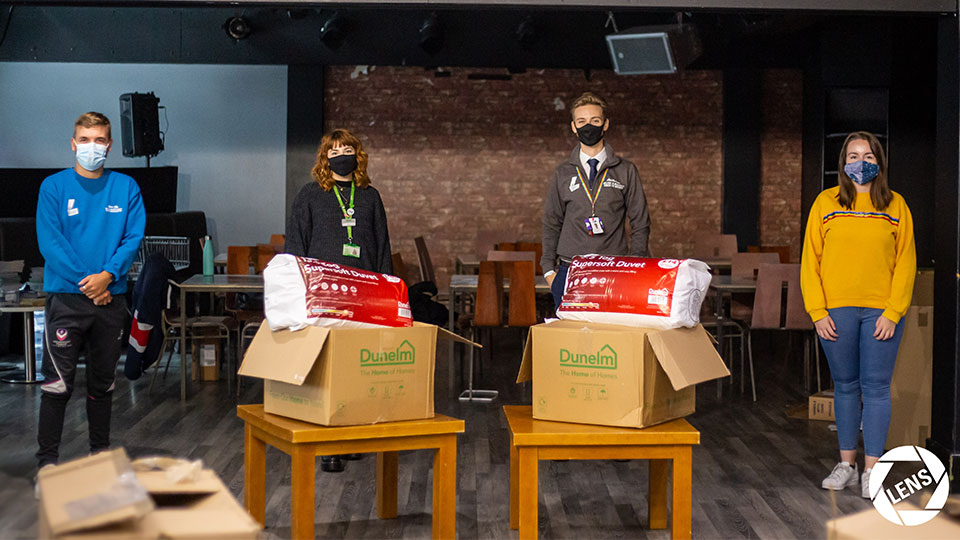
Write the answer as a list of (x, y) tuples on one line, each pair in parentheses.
[(532, 440), (303, 442)]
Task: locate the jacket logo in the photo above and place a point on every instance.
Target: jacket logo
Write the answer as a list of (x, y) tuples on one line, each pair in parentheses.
[(61, 334), (71, 211), (613, 183), (574, 184), (113, 209)]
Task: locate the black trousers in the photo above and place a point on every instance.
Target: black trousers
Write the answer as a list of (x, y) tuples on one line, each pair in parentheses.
[(73, 324)]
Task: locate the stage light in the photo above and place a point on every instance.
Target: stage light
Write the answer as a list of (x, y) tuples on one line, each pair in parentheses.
[(333, 31), (431, 34), (237, 28)]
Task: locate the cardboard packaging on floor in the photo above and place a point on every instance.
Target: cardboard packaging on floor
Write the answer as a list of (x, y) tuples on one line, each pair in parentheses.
[(342, 377), (911, 389), (101, 497), (206, 367), (616, 375), (821, 406), (870, 525)]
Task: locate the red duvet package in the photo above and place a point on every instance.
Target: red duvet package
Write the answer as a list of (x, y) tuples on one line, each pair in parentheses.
[(299, 291), (634, 291)]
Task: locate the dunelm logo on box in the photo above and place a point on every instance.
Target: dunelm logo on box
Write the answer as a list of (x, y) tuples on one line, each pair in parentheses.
[(404, 354), (606, 358)]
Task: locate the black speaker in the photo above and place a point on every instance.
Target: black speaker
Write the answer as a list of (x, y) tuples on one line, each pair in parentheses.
[(653, 49), (140, 125)]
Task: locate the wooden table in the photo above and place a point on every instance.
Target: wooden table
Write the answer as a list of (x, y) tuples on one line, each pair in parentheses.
[(532, 440), (462, 285), (303, 442), (218, 283)]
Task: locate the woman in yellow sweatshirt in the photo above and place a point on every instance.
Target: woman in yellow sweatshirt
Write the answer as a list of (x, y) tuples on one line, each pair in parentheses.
[(857, 272)]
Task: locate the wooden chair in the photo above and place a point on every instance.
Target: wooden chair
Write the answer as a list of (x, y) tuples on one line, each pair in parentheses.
[(715, 246), (427, 272), (782, 251), (265, 252), (536, 247), (746, 265), (770, 313), (487, 314), (240, 259), (507, 246), (522, 304), (399, 267), (509, 256), (278, 241)]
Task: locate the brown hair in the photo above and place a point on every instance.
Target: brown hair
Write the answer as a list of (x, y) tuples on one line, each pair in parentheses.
[(321, 170), (589, 98), (91, 119), (880, 193)]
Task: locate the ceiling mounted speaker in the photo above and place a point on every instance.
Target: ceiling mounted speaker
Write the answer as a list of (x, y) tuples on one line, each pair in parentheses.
[(653, 49)]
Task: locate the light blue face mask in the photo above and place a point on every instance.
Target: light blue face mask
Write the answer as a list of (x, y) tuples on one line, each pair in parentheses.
[(91, 155), (861, 171)]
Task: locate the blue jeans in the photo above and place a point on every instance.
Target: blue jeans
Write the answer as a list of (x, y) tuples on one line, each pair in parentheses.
[(559, 284), (862, 367)]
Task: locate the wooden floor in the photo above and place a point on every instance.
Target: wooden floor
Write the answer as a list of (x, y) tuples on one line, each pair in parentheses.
[(756, 473)]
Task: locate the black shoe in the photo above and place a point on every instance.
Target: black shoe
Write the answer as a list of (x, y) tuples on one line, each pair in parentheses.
[(352, 457), (331, 464)]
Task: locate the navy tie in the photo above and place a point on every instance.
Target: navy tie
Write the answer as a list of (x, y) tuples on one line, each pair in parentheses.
[(593, 162)]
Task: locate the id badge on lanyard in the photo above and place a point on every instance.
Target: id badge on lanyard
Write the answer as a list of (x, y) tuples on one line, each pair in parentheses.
[(349, 248), (593, 223)]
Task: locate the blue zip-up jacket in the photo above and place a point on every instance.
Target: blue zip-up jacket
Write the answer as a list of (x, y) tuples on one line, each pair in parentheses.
[(86, 226)]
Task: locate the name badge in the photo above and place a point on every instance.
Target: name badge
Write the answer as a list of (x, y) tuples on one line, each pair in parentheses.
[(351, 250), (594, 225), (348, 222)]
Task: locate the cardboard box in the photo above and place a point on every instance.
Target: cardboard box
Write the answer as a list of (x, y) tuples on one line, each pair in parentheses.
[(616, 375), (911, 388), (206, 363), (101, 497), (342, 377), (870, 525), (821, 406), (923, 288)]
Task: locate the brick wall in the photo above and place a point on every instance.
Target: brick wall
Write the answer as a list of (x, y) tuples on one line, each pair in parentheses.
[(780, 162), (455, 157)]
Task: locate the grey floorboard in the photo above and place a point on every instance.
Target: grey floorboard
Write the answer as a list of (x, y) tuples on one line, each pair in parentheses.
[(756, 473)]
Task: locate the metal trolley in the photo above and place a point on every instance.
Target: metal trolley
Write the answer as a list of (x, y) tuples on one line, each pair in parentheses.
[(176, 249)]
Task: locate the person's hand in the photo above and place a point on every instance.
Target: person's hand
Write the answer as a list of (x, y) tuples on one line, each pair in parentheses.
[(550, 279), (826, 329), (95, 284), (104, 299), (884, 328)]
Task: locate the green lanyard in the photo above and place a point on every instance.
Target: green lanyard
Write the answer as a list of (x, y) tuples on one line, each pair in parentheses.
[(347, 214)]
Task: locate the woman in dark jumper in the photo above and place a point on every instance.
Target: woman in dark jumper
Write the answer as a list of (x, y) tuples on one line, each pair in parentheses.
[(339, 218)]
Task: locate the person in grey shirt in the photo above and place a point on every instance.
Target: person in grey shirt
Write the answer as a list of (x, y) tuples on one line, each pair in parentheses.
[(589, 199)]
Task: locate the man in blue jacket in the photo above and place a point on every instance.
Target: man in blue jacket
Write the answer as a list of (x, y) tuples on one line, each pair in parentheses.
[(89, 226)]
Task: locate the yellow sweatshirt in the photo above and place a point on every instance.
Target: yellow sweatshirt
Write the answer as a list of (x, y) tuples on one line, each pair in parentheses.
[(859, 257)]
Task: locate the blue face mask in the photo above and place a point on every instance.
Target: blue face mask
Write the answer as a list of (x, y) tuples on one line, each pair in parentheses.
[(861, 172), (91, 155)]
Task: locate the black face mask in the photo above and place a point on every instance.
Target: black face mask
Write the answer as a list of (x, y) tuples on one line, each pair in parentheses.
[(590, 134), (343, 164)]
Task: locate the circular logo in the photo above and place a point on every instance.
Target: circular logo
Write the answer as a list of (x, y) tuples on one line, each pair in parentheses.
[(667, 264), (903, 472), (335, 287), (324, 286)]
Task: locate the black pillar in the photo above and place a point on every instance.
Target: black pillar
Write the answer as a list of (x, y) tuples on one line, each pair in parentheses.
[(945, 429), (304, 124), (742, 131)]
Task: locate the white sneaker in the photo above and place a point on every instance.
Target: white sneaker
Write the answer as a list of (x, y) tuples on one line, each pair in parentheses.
[(865, 483), (843, 475)]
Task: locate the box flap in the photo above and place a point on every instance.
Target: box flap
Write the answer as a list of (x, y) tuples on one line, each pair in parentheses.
[(526, 365), (190, 523), (446, 335), (687, 356), (283, 356), (158, 483), (91, 492)]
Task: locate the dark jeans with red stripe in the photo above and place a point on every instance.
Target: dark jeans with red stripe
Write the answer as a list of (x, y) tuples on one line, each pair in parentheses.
[(73, 324)]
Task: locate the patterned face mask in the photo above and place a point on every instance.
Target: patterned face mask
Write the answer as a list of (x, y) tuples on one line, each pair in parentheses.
[(861, 172)]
